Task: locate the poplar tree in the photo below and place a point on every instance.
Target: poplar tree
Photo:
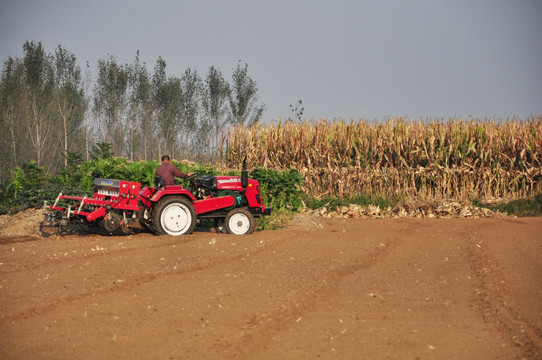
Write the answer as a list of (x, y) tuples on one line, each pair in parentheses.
[(244, 106), (12, 98), (110, 102), (141, 131), (39, 82), (69, 95), (190, 104), (167, 95), (216, 92)]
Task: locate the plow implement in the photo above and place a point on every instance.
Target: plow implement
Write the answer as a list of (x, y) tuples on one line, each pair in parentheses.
[(114, 205)]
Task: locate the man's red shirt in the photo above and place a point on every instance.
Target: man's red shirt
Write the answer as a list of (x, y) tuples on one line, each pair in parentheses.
[(168, 171)]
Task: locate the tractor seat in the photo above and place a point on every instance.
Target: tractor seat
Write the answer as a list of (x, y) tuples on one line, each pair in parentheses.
[(159, 181)]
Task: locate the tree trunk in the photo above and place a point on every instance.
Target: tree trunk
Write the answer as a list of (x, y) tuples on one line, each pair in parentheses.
[(13, 146), (37, 142), (131, 144), (65, 123), (86, 143)]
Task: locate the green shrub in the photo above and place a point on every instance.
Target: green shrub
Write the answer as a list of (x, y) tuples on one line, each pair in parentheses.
[(277, 219), (280, 189), (31, 186)]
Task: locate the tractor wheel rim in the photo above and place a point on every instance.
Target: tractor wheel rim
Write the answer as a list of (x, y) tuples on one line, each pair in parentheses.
[(239, 224), (176, 219)]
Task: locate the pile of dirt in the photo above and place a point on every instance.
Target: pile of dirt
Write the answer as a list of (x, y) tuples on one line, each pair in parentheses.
[(23, 223), (424, 209), (304, 221)]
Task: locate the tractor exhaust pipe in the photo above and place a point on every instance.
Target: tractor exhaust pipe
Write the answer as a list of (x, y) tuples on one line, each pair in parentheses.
[(244, 175)]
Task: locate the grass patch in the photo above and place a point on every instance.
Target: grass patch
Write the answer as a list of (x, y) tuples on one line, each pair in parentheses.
[(278, 219), (519, 208)]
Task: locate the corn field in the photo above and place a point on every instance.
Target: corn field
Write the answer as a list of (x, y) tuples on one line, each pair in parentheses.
[(438, 159)]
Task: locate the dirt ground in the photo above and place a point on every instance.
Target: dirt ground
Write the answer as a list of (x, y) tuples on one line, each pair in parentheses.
[(321, 288)]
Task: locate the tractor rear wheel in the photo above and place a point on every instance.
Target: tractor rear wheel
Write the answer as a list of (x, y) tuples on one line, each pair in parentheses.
[(174, 215), (239, 221)]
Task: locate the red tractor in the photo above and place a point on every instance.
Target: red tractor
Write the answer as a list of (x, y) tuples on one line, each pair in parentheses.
[(232, 201)]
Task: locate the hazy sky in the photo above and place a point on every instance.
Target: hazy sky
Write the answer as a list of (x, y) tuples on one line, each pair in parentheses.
[(348, 59)]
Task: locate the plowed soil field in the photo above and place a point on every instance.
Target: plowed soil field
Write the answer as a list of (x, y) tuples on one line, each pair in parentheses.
[(320, 288)]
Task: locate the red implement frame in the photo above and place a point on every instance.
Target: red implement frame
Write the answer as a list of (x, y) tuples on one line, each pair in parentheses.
[(109, 194)]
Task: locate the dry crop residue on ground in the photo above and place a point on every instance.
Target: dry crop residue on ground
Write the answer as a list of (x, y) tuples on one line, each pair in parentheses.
[(321, 288)]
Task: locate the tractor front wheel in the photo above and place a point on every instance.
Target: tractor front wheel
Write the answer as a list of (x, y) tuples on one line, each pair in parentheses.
[(174, 215), (239, 221)]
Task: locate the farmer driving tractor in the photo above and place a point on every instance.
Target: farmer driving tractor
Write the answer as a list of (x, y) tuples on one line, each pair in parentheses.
[(168, 171), (233, 202)]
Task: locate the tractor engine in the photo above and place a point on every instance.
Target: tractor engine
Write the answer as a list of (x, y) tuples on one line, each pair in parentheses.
[(217, 186), (206, 186)]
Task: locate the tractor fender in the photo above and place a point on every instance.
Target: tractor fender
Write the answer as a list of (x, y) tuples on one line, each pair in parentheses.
[(171, 190)]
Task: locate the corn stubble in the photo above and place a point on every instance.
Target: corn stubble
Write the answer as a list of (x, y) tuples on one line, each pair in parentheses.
[(458, 158)]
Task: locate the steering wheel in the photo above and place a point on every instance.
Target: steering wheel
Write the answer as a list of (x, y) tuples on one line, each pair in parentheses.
[(192, 179)]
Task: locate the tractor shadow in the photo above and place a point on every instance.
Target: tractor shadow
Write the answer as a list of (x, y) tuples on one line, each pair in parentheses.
[(81, 229)]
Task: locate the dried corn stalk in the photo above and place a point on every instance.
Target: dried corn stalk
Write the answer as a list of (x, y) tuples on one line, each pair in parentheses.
[(450, 159)]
